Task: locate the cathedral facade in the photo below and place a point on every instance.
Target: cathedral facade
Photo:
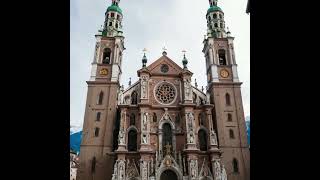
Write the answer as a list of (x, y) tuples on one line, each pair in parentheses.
[(162, 127)]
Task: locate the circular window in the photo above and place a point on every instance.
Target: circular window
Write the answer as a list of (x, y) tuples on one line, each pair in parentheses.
[(165, 93), (164, 68)]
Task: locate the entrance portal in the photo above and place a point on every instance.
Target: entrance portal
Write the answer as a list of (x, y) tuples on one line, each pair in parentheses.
[(168, 175)]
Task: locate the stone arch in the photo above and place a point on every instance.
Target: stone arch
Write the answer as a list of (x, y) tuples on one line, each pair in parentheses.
[(174, 169), (197, 135)]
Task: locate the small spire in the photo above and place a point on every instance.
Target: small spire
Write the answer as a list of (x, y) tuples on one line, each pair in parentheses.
[(144, 58), (195, 83), (184, 61), (164, 53), (130, 81)]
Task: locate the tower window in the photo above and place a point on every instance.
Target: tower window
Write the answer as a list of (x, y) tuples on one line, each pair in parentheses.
[(222, 57), (202, 135), (134, 97), (229, 117), (231, 133), (93, 165), (214, 16), (112, 14), (220, 15), (209, 18), (96, 132), (155, 117), (221, 25), (106, 56), (235, 165), (228, 100), (132, 119), (118, 17), (98, 116), (100, 98), (117, 25), (132, 140), (110, 23), (215, 24)]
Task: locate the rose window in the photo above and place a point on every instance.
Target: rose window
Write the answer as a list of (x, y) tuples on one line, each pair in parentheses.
[(165, 93)]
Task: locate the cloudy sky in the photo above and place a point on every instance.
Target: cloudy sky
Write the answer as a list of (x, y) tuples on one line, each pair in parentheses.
[(153, 24)]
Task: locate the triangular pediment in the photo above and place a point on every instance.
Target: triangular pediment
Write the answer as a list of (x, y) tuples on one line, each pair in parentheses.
[(156, 68)]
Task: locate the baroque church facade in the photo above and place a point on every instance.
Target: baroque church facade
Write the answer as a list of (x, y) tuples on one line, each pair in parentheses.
[(162, 127)]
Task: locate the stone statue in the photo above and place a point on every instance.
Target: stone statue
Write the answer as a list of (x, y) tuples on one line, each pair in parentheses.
[(193, 169), (145, 121), (223, 173), (213, 137), (144, 86), (187, 88), (191, 137), (115, 170), (144, 139), (208, 98), (121, 170), (121, 136), (217, 170)]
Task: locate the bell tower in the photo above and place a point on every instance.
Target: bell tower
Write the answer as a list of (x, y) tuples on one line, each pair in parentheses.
[(96, 157), (225, 92)]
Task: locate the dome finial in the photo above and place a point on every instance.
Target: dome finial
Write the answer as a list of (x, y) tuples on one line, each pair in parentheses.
[(184, 60), (164, 53), (144, 58)]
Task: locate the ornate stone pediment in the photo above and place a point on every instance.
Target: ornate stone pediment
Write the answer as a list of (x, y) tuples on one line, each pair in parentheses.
[(205, 172), (132, 171)]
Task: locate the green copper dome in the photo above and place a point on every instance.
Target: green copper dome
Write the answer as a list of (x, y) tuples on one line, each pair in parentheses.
[(114, 8), (213, 8)]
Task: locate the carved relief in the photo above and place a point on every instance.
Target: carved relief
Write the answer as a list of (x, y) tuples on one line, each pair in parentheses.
[(193, 169), (144, 87), (213, 137), (122, 169), (187, 89)]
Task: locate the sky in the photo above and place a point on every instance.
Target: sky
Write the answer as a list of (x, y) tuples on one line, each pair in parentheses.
[(153, 24)]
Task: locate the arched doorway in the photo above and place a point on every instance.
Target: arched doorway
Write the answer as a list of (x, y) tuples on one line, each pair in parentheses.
[(168, 175)]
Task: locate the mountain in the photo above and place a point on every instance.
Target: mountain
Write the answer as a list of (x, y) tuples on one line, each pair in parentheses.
[(75, 141)]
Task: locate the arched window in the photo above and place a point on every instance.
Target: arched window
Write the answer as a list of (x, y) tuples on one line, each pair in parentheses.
[(231, 133), (222, 57), (209, 18), (110, 23), (93, 165), (235, 165), (202, 118), (132, 120), (221, 25), (214, 16), (134, 97), (116, 25), (229, 117), (106, 56), (112, 14), (202, 135), (155, 117), (132, 140), (215, 24), (96, 132), (228, 103), (100, 98), (220, 15), (167, 136), (98, 116)]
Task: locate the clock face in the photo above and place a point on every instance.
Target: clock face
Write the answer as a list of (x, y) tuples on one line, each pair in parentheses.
[(104, 72), (224, 73)]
